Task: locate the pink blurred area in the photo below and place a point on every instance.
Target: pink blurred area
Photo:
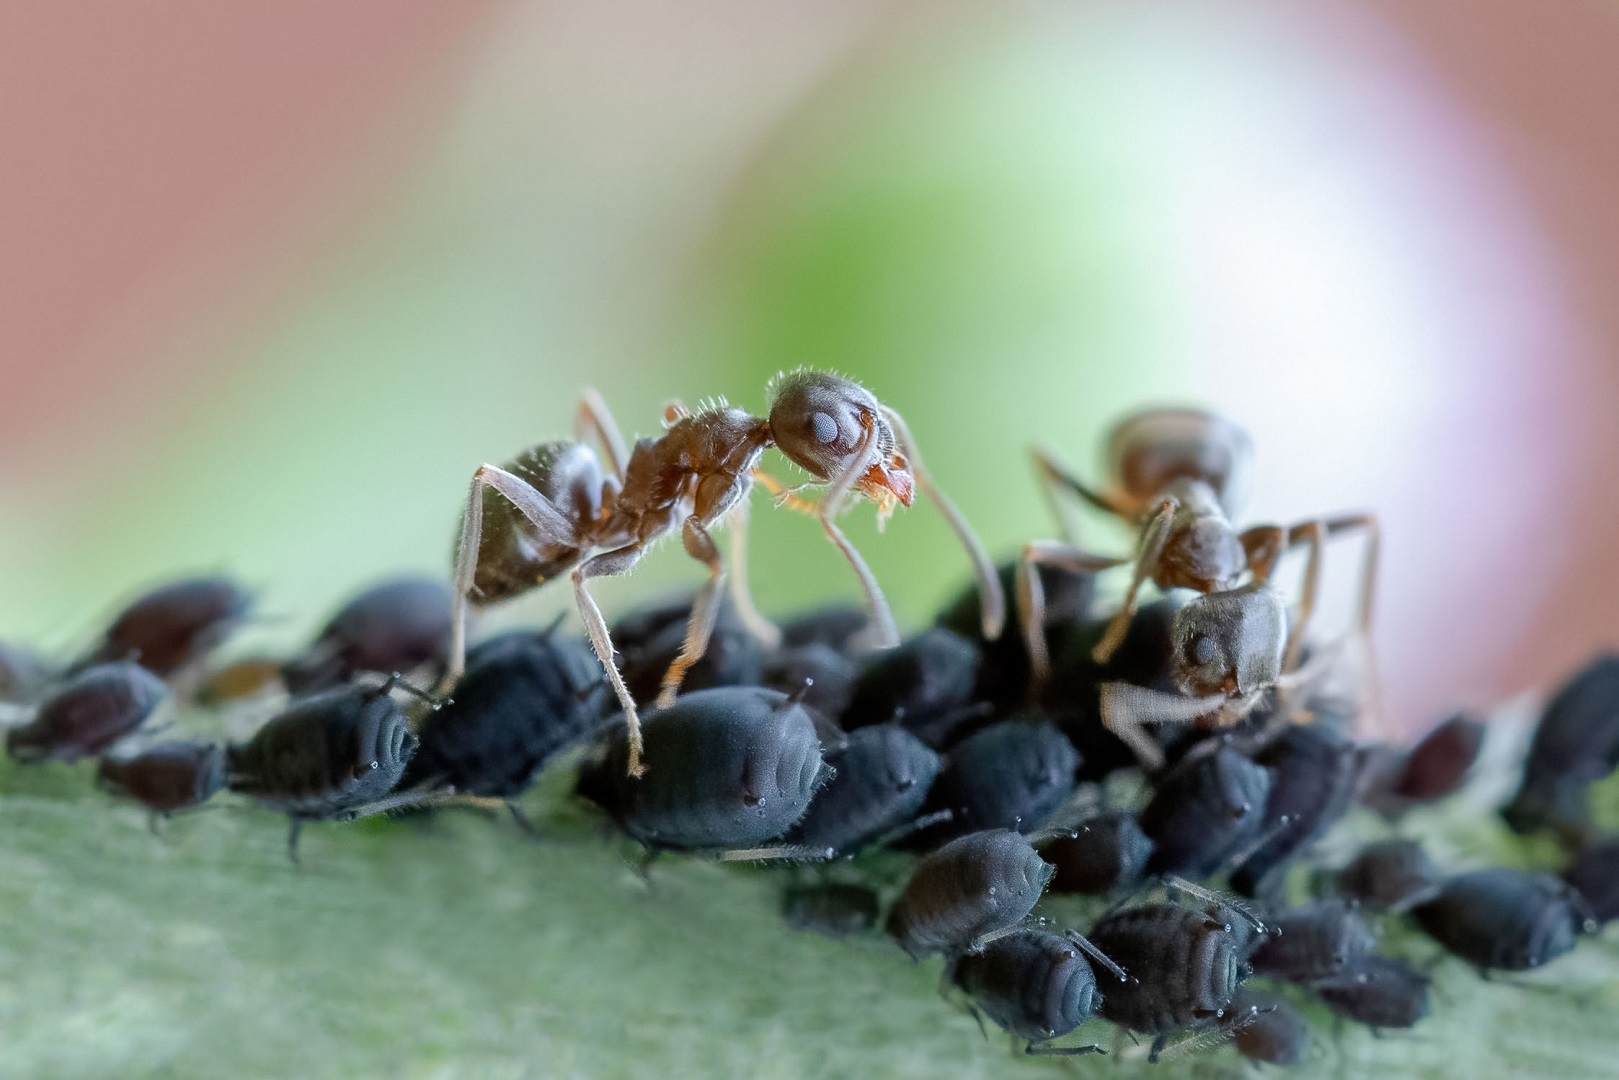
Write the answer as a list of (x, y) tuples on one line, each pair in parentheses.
[(171, 158)]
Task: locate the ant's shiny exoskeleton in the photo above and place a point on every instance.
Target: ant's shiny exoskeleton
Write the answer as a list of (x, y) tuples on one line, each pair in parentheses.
[(552, 510)]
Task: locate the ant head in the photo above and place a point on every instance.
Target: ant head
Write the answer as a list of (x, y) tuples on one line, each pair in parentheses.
[(1230, 642), (820, 421)]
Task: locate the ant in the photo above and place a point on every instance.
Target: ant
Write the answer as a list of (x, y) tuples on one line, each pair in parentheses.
[(553, 510), (1180, 476)]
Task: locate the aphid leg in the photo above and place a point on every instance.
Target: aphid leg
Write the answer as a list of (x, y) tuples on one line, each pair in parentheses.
[(884, 634), (552, 523), (610, 564), (1031, 593), (152, 822), (1045, 1048), (768, 633), (982, 940), (524, 822), (594, 418), (705, 610), (295, 826), (991, 600), (1126, 707), (1153, 539), (1219, 900), (791, 852), (899, 832)]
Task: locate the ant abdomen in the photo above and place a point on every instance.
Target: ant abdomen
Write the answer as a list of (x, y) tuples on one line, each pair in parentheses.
[(512, 554), (1150, 451)]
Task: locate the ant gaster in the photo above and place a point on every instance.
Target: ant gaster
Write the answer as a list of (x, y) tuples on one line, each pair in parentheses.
[(557, 512)]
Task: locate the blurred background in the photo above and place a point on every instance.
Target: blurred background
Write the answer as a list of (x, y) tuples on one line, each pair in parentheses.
[(274, 279)]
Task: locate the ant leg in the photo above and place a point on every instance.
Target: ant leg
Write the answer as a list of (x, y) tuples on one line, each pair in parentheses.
[(610, 564), (1262, 548), (786, 496), (540, 511), (1054, 476), (884, 634), (1153, 540), (760, 627), (991, 598), (1126, 707), (705, 609), (1316, 533), (1031, 593), (594, 418)]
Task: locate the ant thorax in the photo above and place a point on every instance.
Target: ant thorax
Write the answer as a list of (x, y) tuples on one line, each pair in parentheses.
[(720, 444), (1202, 550)]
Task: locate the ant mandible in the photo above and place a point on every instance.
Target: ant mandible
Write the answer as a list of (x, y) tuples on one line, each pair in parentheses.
[(1180, 476), (552, 510)]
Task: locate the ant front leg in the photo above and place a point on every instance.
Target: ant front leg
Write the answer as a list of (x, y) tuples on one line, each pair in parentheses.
[(884, 634), (1153, 540), (1031, 593), (594, 418), (705, 609), (785, 496), (1053, 477), (610, 564), (542, 513), (760, 627)]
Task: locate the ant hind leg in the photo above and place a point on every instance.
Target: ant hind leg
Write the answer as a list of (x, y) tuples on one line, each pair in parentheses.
[(610, 564)]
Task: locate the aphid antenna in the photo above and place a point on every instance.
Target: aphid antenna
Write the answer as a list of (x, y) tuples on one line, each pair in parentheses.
[(1097, 954), (797, 853), (979, 943), (926, 821), (1203, 1039), (1042, 1049), (1219, 899), (1237, 858), (797, 696), (397, 681)]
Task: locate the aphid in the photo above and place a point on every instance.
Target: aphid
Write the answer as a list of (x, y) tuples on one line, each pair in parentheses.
[(728, 768), (832, 909), (524, 698), (823, 675), (1104, 853), (1575, 744), (881, 777), (1034, 984), (398, 625), (1391, 875), (554, 511), (328, 757), (23, 675), (842, 627), (1312, 783), (1204, 810), (1381, 992), (1505, 918), (1003, 676), (1180, 476), (168, 628), (1011, 775), (969, 889), (1309, 944), (88, 713), (1266, 1028), (167, 776), (1183, 968), (734, 656), (1595, 876), (1436, 766), (925, 684)]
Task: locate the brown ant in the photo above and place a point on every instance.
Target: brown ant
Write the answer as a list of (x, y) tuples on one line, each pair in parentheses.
[(552, 509)]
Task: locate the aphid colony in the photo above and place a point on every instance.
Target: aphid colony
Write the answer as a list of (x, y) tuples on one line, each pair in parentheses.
[(1176, 759)]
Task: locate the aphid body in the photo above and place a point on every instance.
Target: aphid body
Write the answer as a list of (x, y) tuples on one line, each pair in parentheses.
[(171, 626), (1380, 992), (1204, 810), (1034, 984), (167, 776), (832, 909), (1504, 918), (398, 625), (1103, 853), (1390, 875), (881, 775), (1011, 775), (1312, 775), (1309, 944), (88, 713), (1575, 744), (971, 887)]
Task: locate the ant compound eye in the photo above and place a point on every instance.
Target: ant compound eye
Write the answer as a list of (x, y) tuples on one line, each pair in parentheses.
[(824, 428), (1204, 650)]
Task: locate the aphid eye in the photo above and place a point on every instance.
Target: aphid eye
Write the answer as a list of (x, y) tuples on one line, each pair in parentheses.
[(825, 428)]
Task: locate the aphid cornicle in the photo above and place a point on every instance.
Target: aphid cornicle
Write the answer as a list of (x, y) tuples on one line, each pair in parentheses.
[(1594, 874), (881, 775), (1504, 918), (1204, 810), (1104, 853), (88, 713), (170, 627), (926, 684), (1309, 944), (401, 624), (1380, 992), (1575, 744), (328, 757), (525, 697), (1034, 984), (972, 887), (1391, 875), (1183, 968), (824, 676), (1312, 784), (832, 909), (553, 510), (167, 776), (1011, 775), (732, 767)]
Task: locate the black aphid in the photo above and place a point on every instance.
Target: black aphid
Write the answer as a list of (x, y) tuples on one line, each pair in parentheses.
[(1575, 744), (1382, 992), (925, 684), (327, 757), (1391, 875), (399, 625), (173, 625), (822, 675), (882, 775), (1312, 783), (1435, 767), (1204, 810), (88, 713), (832, 909), (731, 767), (839, 626), (969, 888), (1505, 918), (1267, 1029), (1595, 875), (1101, 854), (734, 657), (1034, 984), (1183, 968), (1011, 775), (167, 776), (524, 698), (1309, 944)]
